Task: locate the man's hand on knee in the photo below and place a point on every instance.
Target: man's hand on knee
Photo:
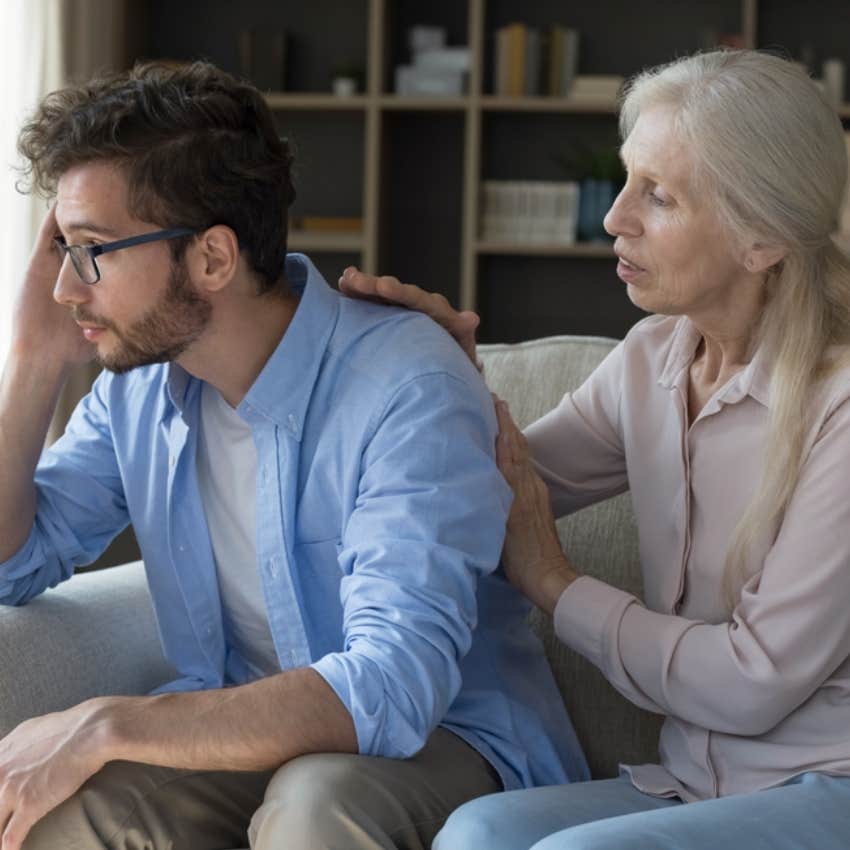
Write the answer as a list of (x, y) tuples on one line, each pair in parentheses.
[(43, 762)]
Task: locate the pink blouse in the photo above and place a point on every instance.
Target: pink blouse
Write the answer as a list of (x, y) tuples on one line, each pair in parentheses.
[(753, 700)]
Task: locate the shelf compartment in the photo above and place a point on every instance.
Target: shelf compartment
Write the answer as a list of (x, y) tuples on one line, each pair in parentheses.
[(415, 103), (581, 105), (543, 249)]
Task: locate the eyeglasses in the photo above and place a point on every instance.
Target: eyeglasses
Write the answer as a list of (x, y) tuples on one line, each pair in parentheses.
[(83, 256)]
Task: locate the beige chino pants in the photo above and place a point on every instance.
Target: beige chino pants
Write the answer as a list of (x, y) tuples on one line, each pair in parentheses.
[(326, 801)]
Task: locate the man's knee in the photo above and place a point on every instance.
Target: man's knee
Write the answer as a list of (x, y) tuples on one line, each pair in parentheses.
[(70, 824), (307, 797)]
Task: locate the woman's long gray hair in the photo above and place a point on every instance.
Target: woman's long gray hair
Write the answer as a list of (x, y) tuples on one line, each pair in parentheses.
[(770, 155)]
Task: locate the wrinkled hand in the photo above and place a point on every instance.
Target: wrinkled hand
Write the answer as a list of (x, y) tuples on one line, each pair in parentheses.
[(390, 290), (532, 555), (42, 763), (40, 326)]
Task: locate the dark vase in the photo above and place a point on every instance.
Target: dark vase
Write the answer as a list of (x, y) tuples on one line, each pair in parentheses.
[(595, 199)]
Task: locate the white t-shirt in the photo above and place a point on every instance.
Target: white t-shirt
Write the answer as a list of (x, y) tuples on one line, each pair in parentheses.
[(227, 478)]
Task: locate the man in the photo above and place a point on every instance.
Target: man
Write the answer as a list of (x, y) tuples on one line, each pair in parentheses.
[(312, 485)]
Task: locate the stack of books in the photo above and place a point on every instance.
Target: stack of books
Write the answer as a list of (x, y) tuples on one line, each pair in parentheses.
[(529, 212), (529, 62)]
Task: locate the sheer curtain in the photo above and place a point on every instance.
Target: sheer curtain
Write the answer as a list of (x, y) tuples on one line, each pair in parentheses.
[(43, 44), (31, 63)]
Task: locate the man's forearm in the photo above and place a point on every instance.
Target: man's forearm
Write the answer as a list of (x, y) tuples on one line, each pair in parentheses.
[(29, 389), (252, 727)]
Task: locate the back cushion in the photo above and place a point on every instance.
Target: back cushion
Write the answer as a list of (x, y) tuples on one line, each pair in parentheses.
[(601, 541)]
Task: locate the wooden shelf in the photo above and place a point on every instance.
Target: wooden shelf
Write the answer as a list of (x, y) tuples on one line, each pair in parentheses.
[(325, 241), (548, 249), (478, 125), (424, 104), (588, 105), (318, 102)]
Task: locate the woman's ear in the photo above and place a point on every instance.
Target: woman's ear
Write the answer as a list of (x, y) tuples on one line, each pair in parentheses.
[(213, 258), (760, 257)]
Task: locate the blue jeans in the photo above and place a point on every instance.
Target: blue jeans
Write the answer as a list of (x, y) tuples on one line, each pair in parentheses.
[(811, 812)]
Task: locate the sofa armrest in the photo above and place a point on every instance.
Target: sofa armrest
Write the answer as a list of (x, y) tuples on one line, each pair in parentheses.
[(93, 635)]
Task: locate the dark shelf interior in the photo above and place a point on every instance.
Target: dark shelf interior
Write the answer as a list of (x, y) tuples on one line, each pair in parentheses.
[(321, 37), (523, 298), (328, 166), (422, 199)]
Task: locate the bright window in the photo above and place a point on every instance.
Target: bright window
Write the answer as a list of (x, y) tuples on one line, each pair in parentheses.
[(30, 65)]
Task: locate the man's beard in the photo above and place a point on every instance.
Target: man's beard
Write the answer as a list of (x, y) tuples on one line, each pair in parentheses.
[(163, 333)]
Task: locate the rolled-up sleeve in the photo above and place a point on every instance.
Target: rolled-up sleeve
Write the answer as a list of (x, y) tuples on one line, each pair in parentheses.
[(429, 520), (80, 505), (577, 448)]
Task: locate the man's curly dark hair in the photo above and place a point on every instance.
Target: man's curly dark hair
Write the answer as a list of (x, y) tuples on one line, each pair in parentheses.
[(198, 148)]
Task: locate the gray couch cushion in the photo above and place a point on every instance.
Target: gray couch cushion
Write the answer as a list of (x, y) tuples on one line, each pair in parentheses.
[(601, 541), (91, 636)]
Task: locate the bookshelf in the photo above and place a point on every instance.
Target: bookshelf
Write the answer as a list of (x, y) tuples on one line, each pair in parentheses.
[(412, 167)]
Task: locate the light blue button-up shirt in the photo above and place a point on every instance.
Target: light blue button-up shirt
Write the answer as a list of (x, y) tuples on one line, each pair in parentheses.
[(380, 519)]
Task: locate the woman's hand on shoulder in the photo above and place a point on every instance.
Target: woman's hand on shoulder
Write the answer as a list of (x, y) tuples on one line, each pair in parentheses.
[(390, 290), (532, 556)]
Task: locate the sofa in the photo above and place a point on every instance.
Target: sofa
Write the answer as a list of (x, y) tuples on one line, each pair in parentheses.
[(97, 634)]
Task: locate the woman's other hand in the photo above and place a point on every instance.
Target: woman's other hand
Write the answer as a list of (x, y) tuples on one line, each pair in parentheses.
[(532, 556), (390, 290)]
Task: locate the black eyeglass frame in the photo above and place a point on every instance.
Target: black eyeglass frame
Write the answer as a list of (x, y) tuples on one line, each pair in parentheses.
[(94, 251)]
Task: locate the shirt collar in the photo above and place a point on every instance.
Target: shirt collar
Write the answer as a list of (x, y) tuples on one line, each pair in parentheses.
[(283, 388), (752, 380)]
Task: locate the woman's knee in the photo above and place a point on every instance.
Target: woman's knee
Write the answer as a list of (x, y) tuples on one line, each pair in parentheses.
[(484, 822)]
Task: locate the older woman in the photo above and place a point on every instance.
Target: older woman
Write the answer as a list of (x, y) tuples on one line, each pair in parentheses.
[(727, 416)]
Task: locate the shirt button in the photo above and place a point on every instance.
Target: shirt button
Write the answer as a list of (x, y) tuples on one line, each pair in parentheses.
[(293, 424), (171, 461)]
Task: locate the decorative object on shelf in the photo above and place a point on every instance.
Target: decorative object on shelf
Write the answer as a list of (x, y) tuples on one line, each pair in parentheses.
[(347, 79), (834, 72), (435, 70), (263, 58), (529, 212), (422, 37), (595, 199)]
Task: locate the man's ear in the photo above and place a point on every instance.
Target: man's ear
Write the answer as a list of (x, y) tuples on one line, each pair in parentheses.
[(213, 258), (760, 257)]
